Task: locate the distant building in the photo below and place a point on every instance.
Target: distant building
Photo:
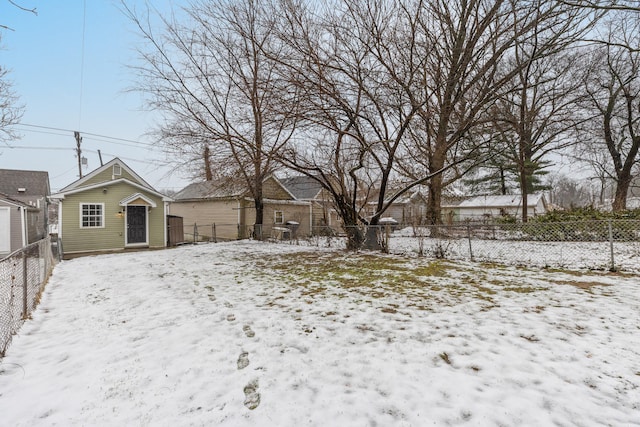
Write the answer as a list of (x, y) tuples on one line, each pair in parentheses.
[(491, 207), (228, 210), (23, 208)]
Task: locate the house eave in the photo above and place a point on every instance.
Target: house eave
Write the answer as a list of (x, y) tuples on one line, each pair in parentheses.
[(61, 195)]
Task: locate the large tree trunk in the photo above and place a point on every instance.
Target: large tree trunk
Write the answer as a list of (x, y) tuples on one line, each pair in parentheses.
[(355, 236), (622, 189), (257, 225), (207, 164), (434, 198), (434, 201), (259, 204)]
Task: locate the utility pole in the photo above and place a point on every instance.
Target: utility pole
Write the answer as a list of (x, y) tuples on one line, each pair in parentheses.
[(76, 134)]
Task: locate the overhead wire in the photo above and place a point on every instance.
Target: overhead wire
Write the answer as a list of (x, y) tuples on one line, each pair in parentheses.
[(149, 144), (84, 25)]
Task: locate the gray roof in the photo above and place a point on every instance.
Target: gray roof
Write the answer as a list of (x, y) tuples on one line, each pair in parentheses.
[(34, 183), (13, 201), (211, 190), (302, 187)]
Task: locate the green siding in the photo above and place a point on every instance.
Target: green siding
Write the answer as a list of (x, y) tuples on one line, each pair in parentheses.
[(107, 175), (112, 235)]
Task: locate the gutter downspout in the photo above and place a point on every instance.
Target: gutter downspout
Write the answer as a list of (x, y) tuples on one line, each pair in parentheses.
[(24, 226), (166, 212)]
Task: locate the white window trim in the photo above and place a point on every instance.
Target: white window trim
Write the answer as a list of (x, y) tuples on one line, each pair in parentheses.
[(275, 217), (117, 168), (102, 219)]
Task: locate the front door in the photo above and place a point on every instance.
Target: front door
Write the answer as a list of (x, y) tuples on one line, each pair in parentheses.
[(136, 224)]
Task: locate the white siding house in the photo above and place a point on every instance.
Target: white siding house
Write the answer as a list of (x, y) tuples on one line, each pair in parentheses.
[(486, 207)]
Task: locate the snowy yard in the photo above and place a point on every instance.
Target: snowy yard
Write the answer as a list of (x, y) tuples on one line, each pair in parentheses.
[(255, 334)]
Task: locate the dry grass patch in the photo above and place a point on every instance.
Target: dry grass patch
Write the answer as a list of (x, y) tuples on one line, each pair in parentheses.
[(586, 285)]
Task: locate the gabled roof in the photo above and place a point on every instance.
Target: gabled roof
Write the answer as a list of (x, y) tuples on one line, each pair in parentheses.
[(211, 190), (34, 183), (302, 187), (501, 201), (88, 179), (61, 194), (222, 189), (14, 202), (137, 197), (409, 197)]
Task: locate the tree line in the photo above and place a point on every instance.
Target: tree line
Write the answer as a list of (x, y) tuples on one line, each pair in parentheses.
[(372, 99)]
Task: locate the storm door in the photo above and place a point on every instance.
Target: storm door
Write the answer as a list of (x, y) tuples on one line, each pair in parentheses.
[(136, 224)]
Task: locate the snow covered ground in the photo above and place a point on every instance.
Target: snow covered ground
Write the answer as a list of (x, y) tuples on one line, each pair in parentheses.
[(255, 334)]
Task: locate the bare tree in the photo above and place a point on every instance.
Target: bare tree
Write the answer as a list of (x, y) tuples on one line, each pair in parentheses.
[(213, 83), (20, 7), (355, 66), (10, 108), (469, 68), (613, 90), (538, 116)]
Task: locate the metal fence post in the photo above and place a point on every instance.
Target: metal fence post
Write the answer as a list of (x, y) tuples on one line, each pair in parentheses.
[(469, 238), (613, 264), (213, 233), (195, 233), (24, 285)]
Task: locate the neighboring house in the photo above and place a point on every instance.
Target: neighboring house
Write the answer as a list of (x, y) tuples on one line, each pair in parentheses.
[(111, 209), (18, 224), (229, 207), (488, 207), (32, 189), (305, 188), (408, 209)]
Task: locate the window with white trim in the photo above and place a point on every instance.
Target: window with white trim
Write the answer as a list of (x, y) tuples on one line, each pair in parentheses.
[(279, 217), (91, 215), (117, 170)]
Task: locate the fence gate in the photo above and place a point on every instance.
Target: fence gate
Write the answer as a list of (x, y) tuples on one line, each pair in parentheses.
[(175, 230)]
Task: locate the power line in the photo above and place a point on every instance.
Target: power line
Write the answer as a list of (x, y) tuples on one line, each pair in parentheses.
[(84, 22), (26, 147), (149, 144)]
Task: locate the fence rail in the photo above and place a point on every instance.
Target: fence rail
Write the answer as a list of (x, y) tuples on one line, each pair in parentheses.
[(219, 232), (608, 244), (23, 275), (605, 245)]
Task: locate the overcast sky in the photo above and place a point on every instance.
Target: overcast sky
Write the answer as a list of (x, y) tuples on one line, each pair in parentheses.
[(66, 87)]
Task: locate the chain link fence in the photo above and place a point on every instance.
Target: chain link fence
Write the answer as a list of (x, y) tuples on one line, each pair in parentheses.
[(602, 245), (23, 275), (214, 233)]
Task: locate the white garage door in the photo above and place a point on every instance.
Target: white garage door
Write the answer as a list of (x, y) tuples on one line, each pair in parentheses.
[(5, 230)]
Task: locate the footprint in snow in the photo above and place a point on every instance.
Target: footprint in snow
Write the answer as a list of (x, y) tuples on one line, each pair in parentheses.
[(243, 360), (228, 304), (252, 397), (248, 331), (231, 317)]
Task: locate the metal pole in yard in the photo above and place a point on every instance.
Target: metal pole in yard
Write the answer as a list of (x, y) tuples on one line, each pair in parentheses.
[(24, 285), (213, 233), (469, 238), (195, 233), (613, 265)]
